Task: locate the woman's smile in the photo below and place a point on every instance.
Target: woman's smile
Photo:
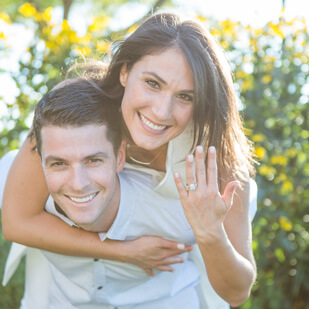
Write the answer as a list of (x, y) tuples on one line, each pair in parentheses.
[(158, 99), (150, 125)]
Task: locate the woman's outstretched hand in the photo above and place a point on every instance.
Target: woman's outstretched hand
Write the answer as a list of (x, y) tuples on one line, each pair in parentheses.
[(204, 206)]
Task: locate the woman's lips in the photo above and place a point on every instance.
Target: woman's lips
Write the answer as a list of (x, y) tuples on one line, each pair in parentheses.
[(157, 128)]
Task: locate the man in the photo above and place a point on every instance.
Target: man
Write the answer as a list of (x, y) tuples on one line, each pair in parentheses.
[(78, 137)]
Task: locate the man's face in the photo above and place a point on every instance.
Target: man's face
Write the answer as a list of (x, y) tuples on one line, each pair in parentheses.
[(81, 173)]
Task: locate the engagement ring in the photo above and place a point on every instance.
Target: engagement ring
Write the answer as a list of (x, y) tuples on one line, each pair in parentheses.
[(192, 187)]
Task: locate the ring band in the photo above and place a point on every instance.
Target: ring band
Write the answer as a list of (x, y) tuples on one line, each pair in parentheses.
[(192, 187)]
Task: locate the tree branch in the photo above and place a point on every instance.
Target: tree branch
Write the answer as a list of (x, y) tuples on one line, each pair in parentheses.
[(66, 8)]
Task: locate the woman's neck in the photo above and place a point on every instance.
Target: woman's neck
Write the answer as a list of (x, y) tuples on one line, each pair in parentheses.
[(155, 159)]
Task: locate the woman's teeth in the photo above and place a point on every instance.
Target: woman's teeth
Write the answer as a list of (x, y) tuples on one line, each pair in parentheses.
[(151, 125), (82, 199)]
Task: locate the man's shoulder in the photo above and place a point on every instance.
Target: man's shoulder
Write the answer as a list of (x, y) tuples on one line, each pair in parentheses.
[(134, 179)]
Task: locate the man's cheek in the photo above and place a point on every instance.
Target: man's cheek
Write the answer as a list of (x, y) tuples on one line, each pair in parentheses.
[(53, 184)]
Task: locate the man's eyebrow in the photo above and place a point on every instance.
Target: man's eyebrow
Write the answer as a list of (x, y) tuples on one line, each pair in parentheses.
[(100, 154), (165, 82), (52, 158)]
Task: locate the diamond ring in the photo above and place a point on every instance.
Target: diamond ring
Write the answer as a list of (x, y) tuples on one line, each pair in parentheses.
[(192, 187)]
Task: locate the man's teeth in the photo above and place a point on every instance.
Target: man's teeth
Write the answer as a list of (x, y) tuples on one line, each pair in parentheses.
[(82, 199), (151, 125)]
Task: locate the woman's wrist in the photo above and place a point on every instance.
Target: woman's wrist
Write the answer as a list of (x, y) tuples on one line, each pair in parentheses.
[(211, 237)]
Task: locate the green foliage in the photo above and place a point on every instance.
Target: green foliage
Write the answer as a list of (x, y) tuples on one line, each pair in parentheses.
[(271, 77), (271, 74), (11, 294)]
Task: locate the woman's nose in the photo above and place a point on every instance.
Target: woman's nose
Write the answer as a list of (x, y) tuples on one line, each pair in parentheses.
[(163, 107)]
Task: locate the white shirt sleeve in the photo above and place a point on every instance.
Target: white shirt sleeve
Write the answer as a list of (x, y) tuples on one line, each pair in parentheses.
[(5, 165)]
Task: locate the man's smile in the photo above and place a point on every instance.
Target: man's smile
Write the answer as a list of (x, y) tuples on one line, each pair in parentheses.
[(82, 199)]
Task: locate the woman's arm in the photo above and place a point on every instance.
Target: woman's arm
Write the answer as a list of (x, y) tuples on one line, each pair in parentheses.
[(25, 221), (222, 228)]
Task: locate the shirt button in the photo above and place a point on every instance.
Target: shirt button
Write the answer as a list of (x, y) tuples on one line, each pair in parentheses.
[(100, 287)]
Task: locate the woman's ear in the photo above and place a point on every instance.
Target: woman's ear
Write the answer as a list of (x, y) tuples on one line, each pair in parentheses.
[(121, 156), (123, 75)]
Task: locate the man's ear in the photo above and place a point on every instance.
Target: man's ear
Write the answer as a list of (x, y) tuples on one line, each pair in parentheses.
[(123, 75), (121, 157)]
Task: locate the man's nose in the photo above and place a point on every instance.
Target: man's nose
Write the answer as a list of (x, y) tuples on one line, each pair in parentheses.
[(79, 178)]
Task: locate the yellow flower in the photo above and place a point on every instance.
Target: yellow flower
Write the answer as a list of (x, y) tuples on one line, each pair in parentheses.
[(83, 51), (229, 27), (251, 123), (286, 188), (258, 31), (260, 152), (247, 131), (103, 46), (224, 44), (27, 10), (201, 18), (85, 40), (47, 15), (215, 32), (281, 178), (99, 23), (276, 29), (2, 36), (5, 17), (266, 170), (266, 79), (285, 224), (279, 160), (292, 152), (247, 84), (241, 74), (65, 25), (133, 28), (258, 137)]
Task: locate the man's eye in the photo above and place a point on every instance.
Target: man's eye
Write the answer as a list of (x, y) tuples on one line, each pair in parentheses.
[(57, 164), (95, 160), (152, 83)]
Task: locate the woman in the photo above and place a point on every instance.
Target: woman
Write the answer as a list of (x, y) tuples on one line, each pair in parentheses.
[(175, 91)]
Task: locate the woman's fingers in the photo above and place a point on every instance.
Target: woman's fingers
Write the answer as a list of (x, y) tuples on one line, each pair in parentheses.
[(180, 187), (212, 173), (190, 171), (229, 193), (200, 167)]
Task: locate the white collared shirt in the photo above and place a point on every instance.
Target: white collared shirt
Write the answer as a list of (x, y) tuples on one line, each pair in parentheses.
[(79, 281)]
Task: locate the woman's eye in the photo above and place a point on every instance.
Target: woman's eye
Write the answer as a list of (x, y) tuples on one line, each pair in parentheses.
[(152, 83), (185, 97)]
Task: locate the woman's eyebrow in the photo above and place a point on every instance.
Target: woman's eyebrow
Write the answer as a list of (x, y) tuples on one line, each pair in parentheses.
[(164, 82), (156, 76)]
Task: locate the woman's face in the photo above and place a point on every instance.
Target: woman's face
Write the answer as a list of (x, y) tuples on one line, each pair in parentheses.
[(158, 99)]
